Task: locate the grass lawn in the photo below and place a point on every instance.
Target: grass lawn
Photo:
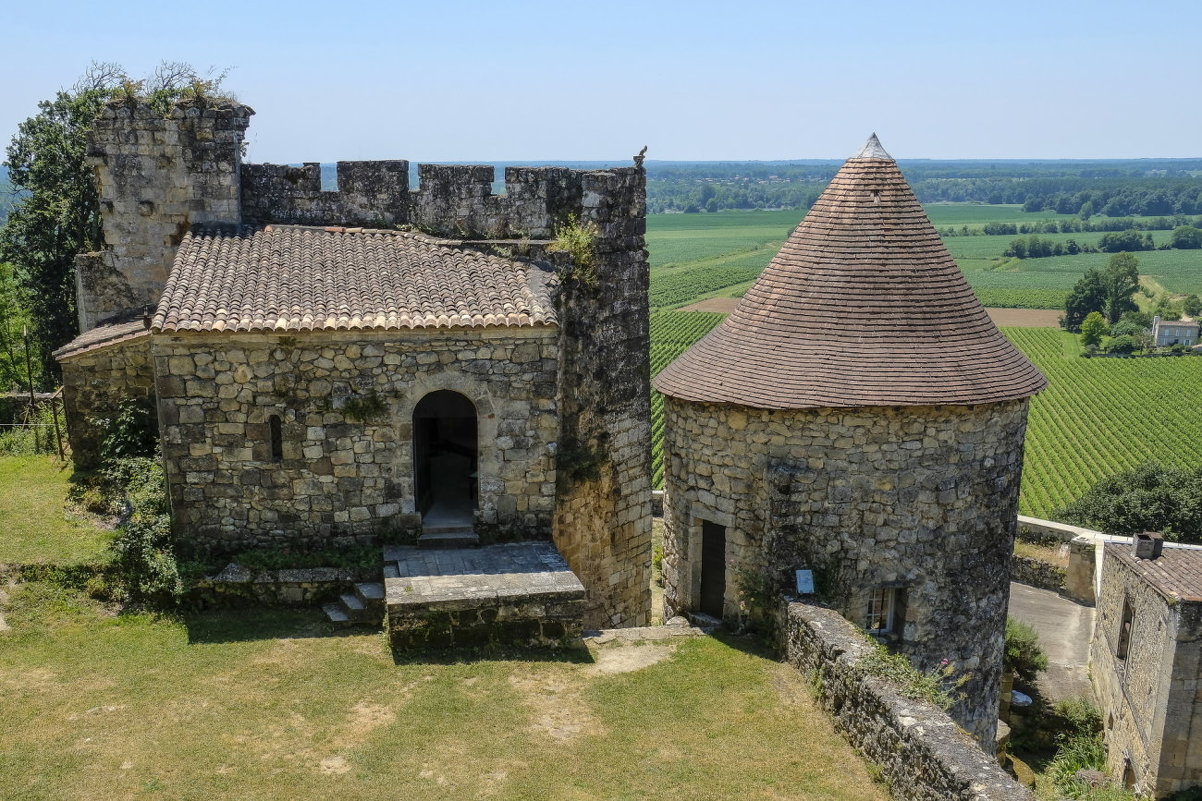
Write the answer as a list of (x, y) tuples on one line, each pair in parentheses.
[(273, 704), (35, 525)]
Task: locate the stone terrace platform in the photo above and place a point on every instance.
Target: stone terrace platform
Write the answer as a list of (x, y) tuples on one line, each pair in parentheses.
[(518, 593)]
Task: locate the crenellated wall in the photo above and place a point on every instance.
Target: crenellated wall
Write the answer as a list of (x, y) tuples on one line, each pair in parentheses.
[(372, 194), (159, 174)]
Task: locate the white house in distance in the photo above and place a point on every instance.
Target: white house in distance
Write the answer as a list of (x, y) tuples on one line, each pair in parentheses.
[(1166, 333)]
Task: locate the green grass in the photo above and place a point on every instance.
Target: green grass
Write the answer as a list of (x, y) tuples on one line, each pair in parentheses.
[(36, 525), (977, 214), (273, 704)]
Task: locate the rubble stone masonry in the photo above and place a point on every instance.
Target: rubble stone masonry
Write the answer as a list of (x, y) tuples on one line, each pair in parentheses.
[(344, 473), (918, 500)]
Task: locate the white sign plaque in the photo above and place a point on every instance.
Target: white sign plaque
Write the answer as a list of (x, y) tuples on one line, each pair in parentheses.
[(805, 582)]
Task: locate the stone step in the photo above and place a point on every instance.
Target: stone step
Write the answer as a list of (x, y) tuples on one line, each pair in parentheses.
[(445, 528), (336, 614), (370, 592), (703, 621), (352, 603), (449, 539), (391, 571)]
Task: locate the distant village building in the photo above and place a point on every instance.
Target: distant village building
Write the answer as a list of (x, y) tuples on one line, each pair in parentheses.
[(1166, 333), (333, 367), (860, 416), (1146, 665)]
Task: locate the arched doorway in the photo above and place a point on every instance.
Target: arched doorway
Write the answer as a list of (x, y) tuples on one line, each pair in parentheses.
[(445, 451)]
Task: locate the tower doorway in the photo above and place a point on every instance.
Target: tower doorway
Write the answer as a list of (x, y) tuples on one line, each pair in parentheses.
[(713, 569), (445, 458)]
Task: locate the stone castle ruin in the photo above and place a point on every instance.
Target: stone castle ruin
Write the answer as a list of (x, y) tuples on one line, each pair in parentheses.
[(376, 361), (425, 365), (857, 415)]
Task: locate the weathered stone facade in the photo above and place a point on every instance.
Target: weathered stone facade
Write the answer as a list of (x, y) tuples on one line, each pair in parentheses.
[(919, 750), (583, 453), (158, 175), (1147, 680), (95, 383), (918, 500), (340, 474)]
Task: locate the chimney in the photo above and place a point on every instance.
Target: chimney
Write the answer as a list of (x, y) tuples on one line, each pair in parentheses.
[(1148, 545)]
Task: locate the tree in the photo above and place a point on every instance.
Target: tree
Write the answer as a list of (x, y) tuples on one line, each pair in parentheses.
[(1120, 280), (59, 215), (1151, 497), (1192, 305), (1087, 295), (1186, 237), (1092, 329)]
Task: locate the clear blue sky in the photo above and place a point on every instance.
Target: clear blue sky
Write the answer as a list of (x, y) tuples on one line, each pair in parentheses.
[(441, 80)]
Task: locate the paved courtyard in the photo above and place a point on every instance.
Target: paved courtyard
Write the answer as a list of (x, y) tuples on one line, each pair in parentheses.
[(1064, 628)]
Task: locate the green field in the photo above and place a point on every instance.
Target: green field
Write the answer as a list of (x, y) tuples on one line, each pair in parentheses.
[(1097, 417), (696, 256)]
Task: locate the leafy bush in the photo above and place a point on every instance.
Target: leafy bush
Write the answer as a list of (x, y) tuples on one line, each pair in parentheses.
[(1024, 655), (935, 686), (1123, 344), (1081, 751), (143, 552), (1152, 497), (131, 430)]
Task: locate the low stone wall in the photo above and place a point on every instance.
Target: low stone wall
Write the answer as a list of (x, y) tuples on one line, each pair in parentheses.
[(238, 586), (1037, 573), (1049, 532), (921, 752)]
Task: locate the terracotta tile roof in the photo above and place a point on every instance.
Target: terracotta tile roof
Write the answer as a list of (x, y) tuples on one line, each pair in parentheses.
[(1177, 572), (296, 278), (862, 306), (103, 336)]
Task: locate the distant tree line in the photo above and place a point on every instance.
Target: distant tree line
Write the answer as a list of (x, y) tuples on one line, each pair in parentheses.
[(1087, 189), (1074, 226)]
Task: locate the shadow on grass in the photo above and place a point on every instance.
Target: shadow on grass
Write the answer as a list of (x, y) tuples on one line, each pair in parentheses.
[(256, 623), (578, 655)]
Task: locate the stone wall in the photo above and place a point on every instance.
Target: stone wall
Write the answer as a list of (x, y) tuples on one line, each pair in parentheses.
[(603, 508), (370, 193), (95, 383), (1037, 573), (920, 751), (1149, 699), (921, 500), (158, 174), (342, 475), (240, 586)]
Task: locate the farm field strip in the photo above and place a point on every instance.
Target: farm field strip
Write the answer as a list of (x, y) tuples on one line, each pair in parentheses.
[(1097, 417), (694, 256)]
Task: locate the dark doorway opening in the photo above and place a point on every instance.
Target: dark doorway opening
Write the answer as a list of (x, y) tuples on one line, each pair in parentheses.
[(713, 568), (445, 454)]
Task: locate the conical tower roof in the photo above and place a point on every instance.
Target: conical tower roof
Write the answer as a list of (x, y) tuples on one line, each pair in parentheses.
[(862, 306)]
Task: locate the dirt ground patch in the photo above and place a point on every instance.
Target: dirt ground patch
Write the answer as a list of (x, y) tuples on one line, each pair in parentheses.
[(1025, 318), (722, 305)]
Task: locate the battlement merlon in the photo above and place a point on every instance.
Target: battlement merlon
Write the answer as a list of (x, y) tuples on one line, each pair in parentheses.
[(452, 200)]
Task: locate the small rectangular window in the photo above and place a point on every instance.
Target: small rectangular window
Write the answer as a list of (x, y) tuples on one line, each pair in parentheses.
[(1125, 624), (882, 606), (277, 438)]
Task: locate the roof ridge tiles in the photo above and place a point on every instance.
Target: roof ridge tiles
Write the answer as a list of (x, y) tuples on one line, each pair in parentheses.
[(862, 306)]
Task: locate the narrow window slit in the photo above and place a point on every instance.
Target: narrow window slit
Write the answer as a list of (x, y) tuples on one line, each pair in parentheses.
[(277, 438)]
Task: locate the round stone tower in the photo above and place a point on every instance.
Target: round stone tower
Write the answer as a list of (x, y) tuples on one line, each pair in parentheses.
[(858, 415)]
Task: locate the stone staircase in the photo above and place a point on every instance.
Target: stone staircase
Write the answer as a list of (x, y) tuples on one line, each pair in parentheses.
[(364, 605), (450, 536)]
